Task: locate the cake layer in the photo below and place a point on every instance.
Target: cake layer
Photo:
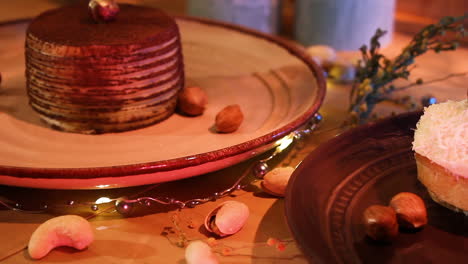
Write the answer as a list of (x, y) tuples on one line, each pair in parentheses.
[(113, 54), (108, 115), (114, 88), (445, 187), (102, 78), (102, 127), (114, 102), (78, 79), (103, 98), (63, 67), (72, 26)]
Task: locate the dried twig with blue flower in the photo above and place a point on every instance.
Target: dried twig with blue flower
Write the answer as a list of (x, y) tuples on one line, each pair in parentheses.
[(376, 73)]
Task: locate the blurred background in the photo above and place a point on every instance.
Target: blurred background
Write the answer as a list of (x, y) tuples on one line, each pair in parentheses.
[(343, 24)]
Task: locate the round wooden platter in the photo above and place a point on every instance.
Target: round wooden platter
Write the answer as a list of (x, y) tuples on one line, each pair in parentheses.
[(277, 86)]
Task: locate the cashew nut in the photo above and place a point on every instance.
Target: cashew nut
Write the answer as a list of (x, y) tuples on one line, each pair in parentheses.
[(68, 230)]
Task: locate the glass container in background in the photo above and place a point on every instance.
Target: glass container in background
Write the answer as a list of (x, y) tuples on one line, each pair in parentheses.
[(262, 15), (342, 24)]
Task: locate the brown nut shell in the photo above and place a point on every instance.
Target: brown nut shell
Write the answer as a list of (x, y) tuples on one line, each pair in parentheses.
[(410, 210), (192, 101), (227, 218), (229, 119), (380, 223)]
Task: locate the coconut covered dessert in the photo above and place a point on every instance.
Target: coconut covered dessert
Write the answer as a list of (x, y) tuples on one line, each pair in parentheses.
[(441, 151)]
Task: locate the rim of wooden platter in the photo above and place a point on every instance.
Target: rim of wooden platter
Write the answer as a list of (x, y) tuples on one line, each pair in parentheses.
[(174, 168)]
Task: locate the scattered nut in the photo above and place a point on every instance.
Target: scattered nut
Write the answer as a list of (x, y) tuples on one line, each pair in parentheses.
[(227, 219), (199, 252), (68, 230), (380, 223), (229, 119), (192, 101), (103, 10), (410, 210), (276, 180), (323, 55)]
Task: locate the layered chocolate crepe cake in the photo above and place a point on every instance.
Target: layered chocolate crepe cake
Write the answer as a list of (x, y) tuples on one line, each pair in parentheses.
[(89, 77)]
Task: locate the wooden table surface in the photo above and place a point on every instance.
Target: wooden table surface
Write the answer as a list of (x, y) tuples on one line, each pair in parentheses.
[(141, 239)]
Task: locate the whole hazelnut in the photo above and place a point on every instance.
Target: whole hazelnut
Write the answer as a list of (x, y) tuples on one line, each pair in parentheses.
[(380, 223), (192, 101), (229, 119), (410, 210), (103, 10)]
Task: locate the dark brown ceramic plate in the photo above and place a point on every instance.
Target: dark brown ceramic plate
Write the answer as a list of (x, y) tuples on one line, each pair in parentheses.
[(329, 191)]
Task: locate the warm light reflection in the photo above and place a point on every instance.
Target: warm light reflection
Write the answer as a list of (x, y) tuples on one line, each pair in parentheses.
[(284, 143), (103, 186), (103, 200)]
